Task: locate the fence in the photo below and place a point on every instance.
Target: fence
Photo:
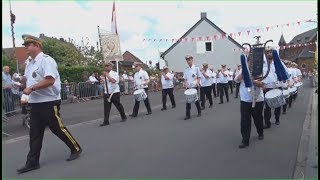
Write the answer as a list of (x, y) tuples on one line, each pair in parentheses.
[(77, 92)]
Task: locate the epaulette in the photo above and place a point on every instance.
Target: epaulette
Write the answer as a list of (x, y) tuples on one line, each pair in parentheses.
[(44, 55)]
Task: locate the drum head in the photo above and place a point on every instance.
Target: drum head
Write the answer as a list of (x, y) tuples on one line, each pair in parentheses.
[(286, 92), (292, 89), (273, 93), (138, 91), (190, 91)]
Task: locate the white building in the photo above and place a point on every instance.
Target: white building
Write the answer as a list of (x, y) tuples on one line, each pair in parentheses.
[(213, 51)]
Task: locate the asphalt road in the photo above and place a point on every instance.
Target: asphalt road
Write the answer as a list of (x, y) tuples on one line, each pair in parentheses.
[(163, 145)]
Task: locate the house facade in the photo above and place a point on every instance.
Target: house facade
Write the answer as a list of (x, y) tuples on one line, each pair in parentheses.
[(214, 52)]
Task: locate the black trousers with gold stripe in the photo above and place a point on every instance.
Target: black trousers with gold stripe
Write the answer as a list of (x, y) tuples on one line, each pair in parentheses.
[(43, 115)]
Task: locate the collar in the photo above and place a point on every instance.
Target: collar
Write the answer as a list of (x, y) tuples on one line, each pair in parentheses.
[(191, 66), (37, 57)]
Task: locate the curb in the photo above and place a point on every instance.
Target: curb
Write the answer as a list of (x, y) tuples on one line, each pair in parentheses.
[(303, 150)]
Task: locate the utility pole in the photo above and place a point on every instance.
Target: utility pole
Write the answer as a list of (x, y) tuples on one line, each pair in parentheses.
[(13, 19)]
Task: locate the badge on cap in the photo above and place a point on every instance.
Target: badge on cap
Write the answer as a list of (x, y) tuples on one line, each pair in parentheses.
[(140, 77), (193, 75)]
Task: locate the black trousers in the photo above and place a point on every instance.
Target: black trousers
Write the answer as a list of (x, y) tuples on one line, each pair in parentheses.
[(115, 99), (284, 107), (223, 87), (168, 91), (214, 89), (137, 104), (290, 101), (231, 86), (42, 115), (237, 89), (267, 111), (246, 112), (205, 92), (188, 107)]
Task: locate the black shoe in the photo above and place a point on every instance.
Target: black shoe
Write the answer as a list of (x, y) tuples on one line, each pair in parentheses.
[(27, 168), (173, 106), (149, 113), (74, 155), (186, 118), (210, 106), (227, 100), (260, 137), (277, 122), (236, 97), (266, 127), (124, 120), (162, 109), (199, 115), (243, 145), (131, 115), (203, 108), (220, 102), (104, 124), (284, 112)]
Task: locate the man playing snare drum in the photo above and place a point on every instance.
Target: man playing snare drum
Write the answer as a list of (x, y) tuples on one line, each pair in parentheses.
[(167, 87), (191, 78), (111, 94), (141, 80)]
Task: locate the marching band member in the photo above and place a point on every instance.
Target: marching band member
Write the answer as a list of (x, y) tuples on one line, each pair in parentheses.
[(214, 82), (206, 84), (111, 94), (141, 80), (167, 87), (230, 79), (223, 80), (247, 110), (271, 82), (236, 72), (191, 78)]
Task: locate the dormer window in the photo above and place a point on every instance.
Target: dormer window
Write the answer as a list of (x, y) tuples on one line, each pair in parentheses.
[(298, 40), (306, 38)]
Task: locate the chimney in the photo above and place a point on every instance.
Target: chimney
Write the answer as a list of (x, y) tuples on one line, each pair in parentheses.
[(41, 35), (203, 15)]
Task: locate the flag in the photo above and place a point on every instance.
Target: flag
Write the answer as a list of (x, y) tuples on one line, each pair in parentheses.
[(113, 20)]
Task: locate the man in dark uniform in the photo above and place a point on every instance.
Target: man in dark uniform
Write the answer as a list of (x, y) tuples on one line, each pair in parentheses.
[(43, 86)]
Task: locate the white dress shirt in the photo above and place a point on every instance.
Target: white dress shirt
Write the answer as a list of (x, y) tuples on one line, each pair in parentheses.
[(191, 74), (112, 87), (230, 75), (93, 79), (139, 79), (246, 95), (214, 78), (36, 70), (222, 78), (125, 76), (167, 84), (205, 82)]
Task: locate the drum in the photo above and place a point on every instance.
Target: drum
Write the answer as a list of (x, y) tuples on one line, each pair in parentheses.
[(292, 90), (191, 95), (298, 85), (140, 95), (286, 93), (275, 98)]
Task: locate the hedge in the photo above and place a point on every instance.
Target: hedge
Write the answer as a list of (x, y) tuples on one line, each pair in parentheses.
[(77, 73)]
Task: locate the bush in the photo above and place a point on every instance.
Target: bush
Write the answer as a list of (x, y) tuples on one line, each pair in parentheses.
[(77, 73)]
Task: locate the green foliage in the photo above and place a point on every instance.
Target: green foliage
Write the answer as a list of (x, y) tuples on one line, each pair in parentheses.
[(6, 61), (78, 73), (63, 52)]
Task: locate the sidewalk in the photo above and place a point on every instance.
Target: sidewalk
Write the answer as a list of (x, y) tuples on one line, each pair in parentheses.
[(306, 164)]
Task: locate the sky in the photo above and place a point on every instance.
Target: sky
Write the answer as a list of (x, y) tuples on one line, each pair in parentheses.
[(139, 21)]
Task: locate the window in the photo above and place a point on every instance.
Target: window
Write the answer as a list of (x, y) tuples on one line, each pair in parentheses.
[(208, 46)]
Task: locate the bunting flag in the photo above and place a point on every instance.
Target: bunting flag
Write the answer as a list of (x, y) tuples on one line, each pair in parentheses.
[(113, 20)]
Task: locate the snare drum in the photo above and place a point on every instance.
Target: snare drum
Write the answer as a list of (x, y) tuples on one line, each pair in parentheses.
[(140, 95), (286, 93), (275, 98), (292, 90), (191, 95), (298, 85)]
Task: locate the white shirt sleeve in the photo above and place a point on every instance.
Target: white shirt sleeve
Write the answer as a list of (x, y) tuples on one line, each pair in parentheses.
[(50, 68)]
